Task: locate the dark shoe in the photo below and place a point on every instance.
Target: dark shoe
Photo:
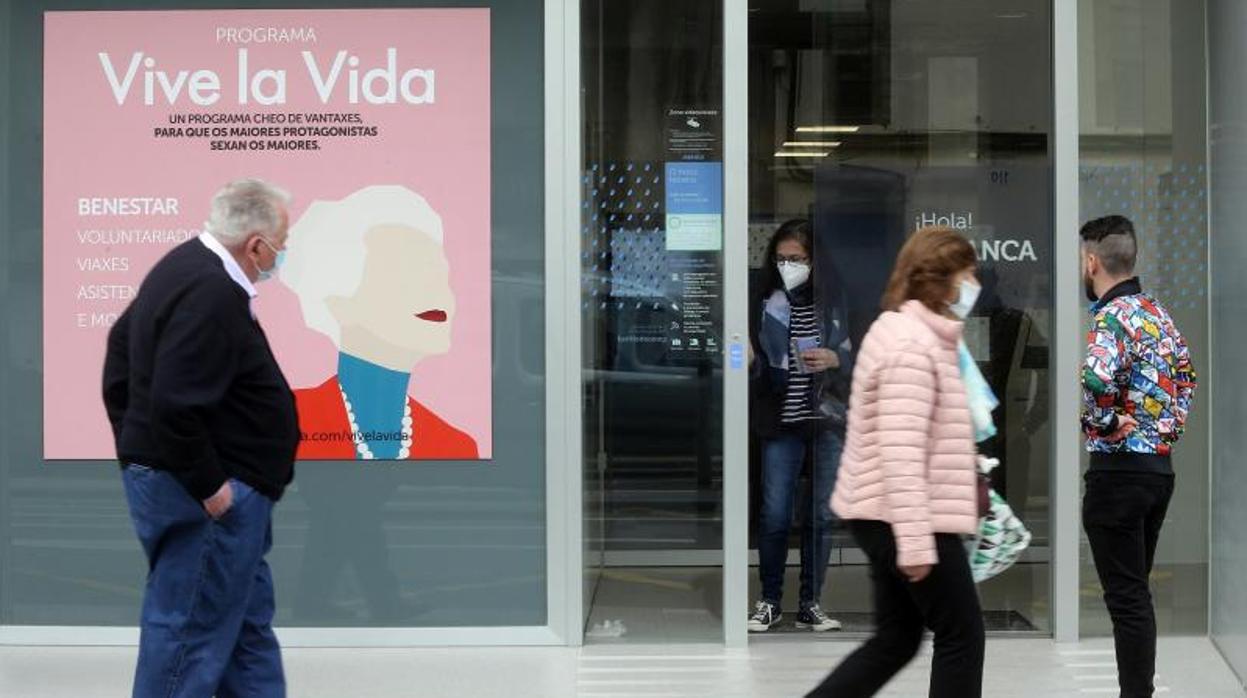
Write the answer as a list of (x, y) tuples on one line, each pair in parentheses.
[(764, 616), (813, 618)]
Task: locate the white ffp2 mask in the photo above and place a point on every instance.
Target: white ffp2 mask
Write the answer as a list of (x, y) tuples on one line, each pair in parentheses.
[(794, 274)]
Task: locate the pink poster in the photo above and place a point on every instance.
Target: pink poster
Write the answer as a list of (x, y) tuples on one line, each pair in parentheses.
[(377, 122)]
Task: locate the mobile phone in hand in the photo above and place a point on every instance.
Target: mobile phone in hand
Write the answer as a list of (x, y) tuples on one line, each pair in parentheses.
[(799, 347)]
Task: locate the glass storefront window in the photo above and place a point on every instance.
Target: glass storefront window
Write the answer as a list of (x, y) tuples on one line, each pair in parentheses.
[(652, 314), (866, 118), (872, 118), (412, 544), (1227, 126), (1143, 143)]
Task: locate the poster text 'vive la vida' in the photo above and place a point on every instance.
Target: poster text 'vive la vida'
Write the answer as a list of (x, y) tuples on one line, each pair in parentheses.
[(343, 76)]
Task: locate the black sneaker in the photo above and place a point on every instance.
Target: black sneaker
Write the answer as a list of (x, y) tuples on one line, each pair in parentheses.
[(764, 616), (813, 618)]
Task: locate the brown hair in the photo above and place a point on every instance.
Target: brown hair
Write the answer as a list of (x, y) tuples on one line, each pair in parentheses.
[(925, 268)]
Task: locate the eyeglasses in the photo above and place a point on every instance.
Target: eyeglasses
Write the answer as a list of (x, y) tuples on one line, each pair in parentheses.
[(793, 259)]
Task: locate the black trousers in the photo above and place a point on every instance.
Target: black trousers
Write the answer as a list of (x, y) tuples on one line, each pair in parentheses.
[(946, 602), (1122, 513)]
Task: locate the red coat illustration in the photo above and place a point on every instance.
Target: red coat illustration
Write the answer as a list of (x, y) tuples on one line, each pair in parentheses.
[(326, 429)]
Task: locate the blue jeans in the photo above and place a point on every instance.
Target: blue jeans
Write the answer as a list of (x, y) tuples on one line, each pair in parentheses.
[(208, 606), (782, 458)]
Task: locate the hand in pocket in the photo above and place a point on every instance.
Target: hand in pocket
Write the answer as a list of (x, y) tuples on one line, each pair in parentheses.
[(218, 504)]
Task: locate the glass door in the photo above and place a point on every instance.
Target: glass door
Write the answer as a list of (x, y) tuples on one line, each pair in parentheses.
[(721, 140), (652, 316), (867, 120)]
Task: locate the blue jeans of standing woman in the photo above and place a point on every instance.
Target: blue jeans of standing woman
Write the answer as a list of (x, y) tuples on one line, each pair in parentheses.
[(782, 459)]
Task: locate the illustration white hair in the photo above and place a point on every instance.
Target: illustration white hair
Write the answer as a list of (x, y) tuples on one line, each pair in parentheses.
[(326, 252)]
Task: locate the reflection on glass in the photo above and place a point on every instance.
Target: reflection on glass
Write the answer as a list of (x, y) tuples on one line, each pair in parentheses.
[(875, 118), (1143, 155), (652, 236), (346, 535)]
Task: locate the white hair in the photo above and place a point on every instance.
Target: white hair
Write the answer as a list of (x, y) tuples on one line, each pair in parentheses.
[(326, 253), (245, 207)]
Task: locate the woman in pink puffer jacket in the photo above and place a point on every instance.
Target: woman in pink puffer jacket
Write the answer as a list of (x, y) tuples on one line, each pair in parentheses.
[(907, 482)]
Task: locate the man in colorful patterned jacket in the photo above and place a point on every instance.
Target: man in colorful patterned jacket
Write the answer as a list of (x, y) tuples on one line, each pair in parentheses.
[(1138, 383)]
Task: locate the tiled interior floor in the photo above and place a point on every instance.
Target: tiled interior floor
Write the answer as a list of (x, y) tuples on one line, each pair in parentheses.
[(673, 604), (684, 604), (1017, 668)]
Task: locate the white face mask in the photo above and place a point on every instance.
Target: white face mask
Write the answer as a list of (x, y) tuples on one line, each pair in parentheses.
[(967, 296), (793, 274)]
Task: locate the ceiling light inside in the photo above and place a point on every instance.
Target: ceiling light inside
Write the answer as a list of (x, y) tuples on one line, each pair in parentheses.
[(828, 129)]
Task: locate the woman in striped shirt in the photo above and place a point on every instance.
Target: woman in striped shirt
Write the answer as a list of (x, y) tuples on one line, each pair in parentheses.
[(800, 374)]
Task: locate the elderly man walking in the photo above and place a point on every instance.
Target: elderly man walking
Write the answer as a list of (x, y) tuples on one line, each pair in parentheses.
[(206, 433)]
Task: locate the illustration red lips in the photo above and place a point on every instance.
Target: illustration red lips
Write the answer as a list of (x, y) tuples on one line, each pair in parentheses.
[(433, 316)]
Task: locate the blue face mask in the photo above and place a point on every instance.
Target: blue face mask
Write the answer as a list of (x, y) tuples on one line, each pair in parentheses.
[(266, 274)]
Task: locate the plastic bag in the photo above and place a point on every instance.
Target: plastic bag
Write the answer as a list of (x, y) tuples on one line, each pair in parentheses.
[(1001, 537)]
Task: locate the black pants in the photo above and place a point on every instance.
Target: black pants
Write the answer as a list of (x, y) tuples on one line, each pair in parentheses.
[(946, 602), (1122, 513)]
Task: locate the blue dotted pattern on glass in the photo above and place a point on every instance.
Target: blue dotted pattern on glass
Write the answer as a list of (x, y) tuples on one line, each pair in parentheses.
[(623, 236), (1169, 207)]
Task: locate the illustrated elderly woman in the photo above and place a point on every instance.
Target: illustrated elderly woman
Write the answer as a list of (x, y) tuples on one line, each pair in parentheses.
[(371, 274)]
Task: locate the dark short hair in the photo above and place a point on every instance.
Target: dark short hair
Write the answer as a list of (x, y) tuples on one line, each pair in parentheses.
[(1112, 239), (926, 266)]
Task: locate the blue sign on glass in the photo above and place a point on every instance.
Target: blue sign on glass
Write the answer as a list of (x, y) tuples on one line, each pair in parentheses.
[(694, 206), (695, 187)]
